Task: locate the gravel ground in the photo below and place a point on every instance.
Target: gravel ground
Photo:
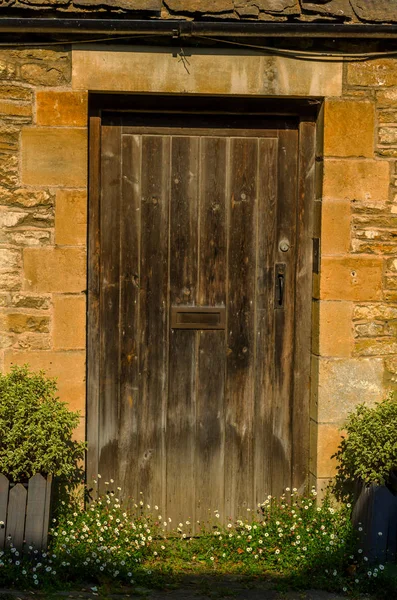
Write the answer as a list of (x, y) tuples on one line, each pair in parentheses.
[(198, 589)]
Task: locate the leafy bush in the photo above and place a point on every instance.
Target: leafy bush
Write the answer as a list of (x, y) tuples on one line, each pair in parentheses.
[(36, 428), (369, 452)]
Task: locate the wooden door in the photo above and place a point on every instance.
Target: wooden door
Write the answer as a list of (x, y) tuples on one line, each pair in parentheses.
[(199, 412)]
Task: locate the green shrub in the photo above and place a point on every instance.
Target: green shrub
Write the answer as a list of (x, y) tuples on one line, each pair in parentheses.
[(36, 428), (369, 451)]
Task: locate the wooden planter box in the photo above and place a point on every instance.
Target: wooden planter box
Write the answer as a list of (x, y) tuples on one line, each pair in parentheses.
[(25, 511), (375, 513)]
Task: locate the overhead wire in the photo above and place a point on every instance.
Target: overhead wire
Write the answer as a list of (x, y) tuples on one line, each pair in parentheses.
[(297, 54)]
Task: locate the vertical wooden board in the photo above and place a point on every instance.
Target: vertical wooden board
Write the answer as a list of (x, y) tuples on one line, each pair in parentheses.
[(147, 454), (241, 271), (181, 410), (47, 508), (35, 511), (4, 488), (109, 302), (303, 306), (211, 359), (16, 515), (93, 322), (285, 317), (264, 328), (130, 212)]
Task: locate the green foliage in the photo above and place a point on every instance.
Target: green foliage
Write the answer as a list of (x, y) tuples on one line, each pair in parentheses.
[(292, 541), (369, 452), (36, 428)]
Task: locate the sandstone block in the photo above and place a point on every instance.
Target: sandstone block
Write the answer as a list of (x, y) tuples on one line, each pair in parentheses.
[(54, 156), (336, 329), (377, 73), (10, 91), (391, 265), (374, 347), (54, 269), (391, 283), (391, 364), (349, 128), (7, 69), (370, 329), (329, 438), (130, 5), (44, 67), (10, 281), (387, 151), (390, 296), (387, 116), (388, 135), (351, 278), (9, 170), (356, 180), (9, 259), (69, 330), (344, 383), (67, 367), (26, 197), (286, 7), (387, 97), (373, 247), (9, 137), (32, 341), (25, 301), (20, 323), (29, 237), (71, 218), (200, 6), (335, 229), (67, 109), (16, 109), (378, 312), (145, 69)]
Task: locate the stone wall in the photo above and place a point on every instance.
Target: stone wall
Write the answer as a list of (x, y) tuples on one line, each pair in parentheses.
[(43, 212), (356, 346)]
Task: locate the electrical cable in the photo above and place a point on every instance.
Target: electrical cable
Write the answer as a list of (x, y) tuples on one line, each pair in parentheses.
[(308, 55)]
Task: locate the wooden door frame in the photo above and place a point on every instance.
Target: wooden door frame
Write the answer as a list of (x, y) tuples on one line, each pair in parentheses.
[(306, 112)]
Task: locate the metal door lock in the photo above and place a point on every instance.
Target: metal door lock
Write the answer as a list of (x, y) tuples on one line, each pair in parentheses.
[(284, 245)]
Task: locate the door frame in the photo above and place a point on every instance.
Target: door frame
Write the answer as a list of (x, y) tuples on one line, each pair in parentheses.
[(306, 111)]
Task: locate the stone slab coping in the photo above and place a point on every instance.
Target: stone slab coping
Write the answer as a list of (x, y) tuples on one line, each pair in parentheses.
[(341, 11)]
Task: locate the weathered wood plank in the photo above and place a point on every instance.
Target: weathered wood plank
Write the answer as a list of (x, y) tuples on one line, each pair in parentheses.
[(264, 328), (284, 318), (239, 446), (303, 306), (129, 312), (93, 318), (153, 319), (35, 511), (109, 301), (16, 515), (210, 440), (181, 412), (47, 508), (4, 489)]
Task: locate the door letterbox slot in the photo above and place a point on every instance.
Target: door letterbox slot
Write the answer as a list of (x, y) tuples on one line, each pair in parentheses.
[(200, 317)]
